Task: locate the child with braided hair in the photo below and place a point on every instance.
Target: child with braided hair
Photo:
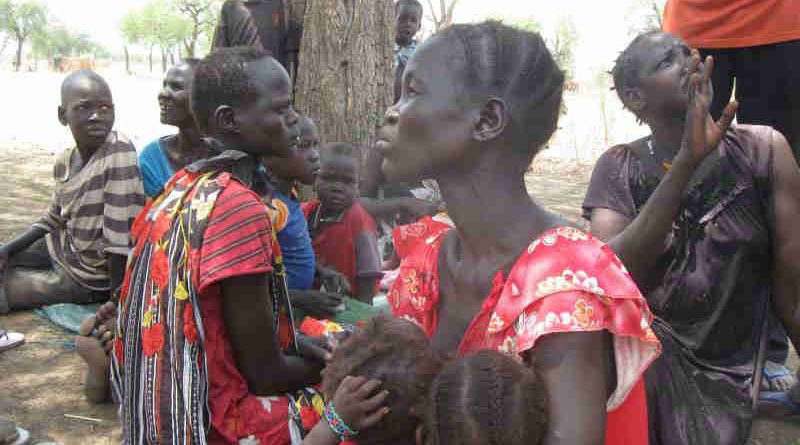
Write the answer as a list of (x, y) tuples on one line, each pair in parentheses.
[(388, 354), (486, 399), (401, 397)]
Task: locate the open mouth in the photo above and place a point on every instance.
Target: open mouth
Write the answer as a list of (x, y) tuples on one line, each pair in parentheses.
[(97, 131)]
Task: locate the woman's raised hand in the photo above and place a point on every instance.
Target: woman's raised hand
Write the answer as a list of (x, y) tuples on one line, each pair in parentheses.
[(702, 134)]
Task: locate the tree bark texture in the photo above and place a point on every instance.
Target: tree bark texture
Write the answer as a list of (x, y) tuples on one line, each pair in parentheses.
[(346, 67)]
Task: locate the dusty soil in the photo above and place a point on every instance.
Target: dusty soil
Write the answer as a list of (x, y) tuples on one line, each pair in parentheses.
[(41, 382)]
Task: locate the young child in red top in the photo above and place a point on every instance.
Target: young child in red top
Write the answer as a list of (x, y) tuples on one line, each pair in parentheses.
[(342, 232)]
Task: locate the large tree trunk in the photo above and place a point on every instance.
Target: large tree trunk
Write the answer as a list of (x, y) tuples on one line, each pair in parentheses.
[(346, 68)]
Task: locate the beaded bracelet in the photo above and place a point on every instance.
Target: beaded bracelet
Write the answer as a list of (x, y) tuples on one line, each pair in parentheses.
[(337, 425)]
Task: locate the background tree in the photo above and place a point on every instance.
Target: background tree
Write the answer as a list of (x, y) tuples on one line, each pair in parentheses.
[(21, 20), (176, 27), (132, 34), (644, 15), (562, 45), (57, 41), (203, 17), (441, 13), (157, 24), (346, 70)]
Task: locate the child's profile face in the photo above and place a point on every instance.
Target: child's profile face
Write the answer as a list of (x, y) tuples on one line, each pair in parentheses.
[(302, 164), (267, 124), (88, 109), (407, 23), (337, 183), (309, 150), (173, 99)]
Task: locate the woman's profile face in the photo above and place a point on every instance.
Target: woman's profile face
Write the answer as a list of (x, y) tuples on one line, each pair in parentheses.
[(173, 99), (430, 127)]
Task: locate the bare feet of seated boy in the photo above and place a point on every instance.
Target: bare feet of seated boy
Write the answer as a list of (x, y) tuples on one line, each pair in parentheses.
[(94, 344)]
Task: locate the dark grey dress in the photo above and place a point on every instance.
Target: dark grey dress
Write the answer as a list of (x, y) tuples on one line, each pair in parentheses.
[(711, 286)]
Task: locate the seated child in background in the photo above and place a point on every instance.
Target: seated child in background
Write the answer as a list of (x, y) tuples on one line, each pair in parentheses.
[(386, 384), (290, 223), (287, 216), (164, 156), (76, 253), (342, 232)]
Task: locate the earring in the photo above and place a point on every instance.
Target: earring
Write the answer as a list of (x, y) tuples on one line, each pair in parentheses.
[(392, 115)]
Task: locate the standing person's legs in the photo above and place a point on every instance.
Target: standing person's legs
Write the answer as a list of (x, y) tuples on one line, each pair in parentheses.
[(768, 88), (721, 78), (33, 280)]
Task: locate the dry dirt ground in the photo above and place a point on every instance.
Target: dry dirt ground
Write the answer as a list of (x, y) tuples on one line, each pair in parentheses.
[(40, 382)]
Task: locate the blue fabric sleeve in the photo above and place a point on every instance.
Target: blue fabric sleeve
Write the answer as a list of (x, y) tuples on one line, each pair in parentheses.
[(155, 167), (295, 242)]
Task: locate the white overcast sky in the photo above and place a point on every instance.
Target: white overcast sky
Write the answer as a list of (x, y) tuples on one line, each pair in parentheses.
[(602, 25)]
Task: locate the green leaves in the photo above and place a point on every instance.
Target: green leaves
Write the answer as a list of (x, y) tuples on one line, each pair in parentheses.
[(169, 23)]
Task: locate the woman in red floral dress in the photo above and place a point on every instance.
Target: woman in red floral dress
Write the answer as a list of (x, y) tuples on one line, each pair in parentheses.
[(482, 100)]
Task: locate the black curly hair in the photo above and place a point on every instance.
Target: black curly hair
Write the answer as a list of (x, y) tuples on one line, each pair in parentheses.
[(487, 399), (516, 66), (221, 78), (397, 353)]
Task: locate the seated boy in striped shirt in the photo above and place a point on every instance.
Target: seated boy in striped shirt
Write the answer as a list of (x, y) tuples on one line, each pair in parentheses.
[(76, 253)]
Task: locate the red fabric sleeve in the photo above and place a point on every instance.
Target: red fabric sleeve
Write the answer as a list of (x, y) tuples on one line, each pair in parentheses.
[(408, 237), (309, 207), (360, 221), (238, 237)]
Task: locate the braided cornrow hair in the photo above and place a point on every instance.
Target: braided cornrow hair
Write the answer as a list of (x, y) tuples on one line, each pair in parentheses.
[(221, 78), (396, 352), (488, 399), (516, 66), (626, 68)]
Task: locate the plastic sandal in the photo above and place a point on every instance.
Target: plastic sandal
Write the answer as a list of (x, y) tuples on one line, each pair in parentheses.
[(10, 340), (778, 405), (23, 437), (774, 371)]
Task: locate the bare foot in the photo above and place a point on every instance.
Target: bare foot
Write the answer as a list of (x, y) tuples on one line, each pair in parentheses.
[(94, 344), (96, 384), (88, 325)]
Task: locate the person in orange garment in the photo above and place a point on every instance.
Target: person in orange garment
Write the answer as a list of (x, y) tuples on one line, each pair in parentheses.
[(755, 43)]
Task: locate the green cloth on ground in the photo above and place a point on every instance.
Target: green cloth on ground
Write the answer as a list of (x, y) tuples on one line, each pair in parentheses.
[(354, 312), (68, 316)]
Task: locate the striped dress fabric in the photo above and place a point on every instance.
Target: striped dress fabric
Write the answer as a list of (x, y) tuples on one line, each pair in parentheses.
[(92, 210), (173, 368)]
